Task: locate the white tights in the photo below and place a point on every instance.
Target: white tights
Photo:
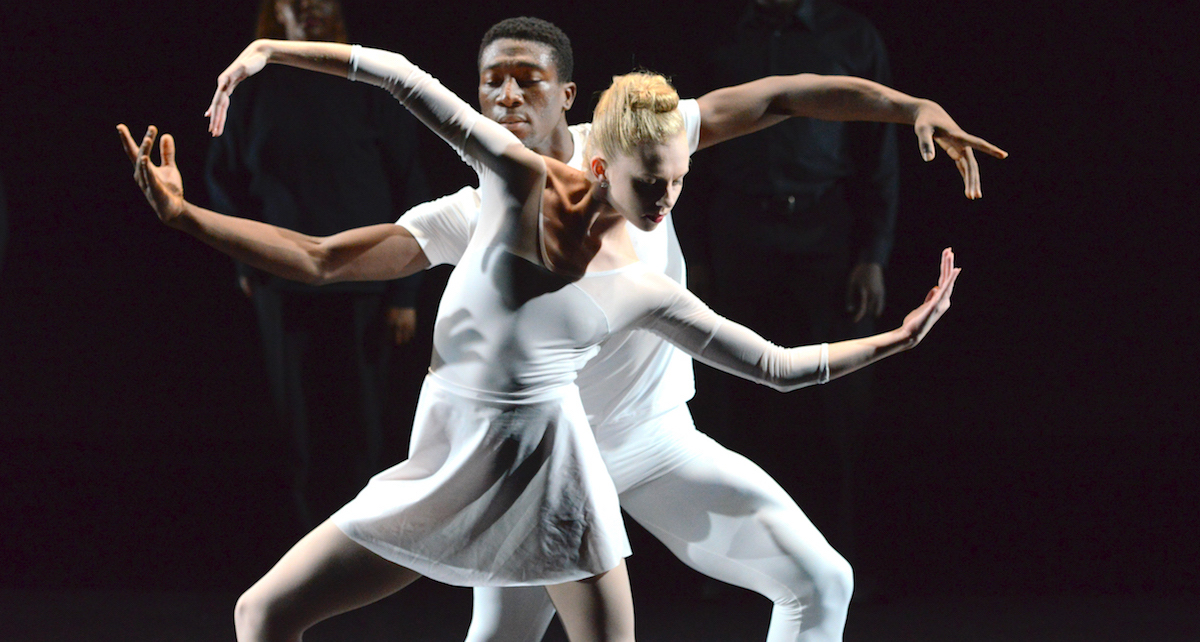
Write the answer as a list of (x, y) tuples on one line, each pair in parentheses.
[(723, 516)]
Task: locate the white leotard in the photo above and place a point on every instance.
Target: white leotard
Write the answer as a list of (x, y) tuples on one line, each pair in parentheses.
[(636, 375)]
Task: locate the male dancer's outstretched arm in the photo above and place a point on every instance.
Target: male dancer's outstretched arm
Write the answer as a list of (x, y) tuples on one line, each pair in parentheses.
[(742, 109), (373, 253)]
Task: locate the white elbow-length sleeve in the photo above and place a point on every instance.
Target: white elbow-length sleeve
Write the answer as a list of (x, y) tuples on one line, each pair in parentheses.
[(443, 227), (684, 320), (450, 117)]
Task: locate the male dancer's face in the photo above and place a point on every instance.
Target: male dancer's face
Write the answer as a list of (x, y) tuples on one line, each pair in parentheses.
[(519, 88)]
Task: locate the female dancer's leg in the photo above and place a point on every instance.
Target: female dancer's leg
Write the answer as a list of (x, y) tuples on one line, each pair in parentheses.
[(324, 574), (597, 609), (327, 573)]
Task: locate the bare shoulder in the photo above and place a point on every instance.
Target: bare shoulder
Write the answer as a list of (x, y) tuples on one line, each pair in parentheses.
[(568, 245), (566, 194)]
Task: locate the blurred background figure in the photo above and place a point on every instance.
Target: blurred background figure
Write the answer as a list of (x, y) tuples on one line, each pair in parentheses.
[(805, 211), (3, 224), (320, 155)]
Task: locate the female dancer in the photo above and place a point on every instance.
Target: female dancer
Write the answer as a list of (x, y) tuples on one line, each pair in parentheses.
[(504, 486)]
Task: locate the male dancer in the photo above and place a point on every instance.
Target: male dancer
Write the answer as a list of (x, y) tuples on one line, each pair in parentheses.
[(714, 509)]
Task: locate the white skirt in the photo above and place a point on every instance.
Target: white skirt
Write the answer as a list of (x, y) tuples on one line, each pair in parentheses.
[(496, 492)]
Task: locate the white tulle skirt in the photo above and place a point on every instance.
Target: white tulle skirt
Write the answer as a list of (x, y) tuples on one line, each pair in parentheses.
[(496, 491)]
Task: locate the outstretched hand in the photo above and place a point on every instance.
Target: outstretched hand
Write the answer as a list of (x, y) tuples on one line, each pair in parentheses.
[(249, 62), (161, 184), (919, 321), (934, 125)]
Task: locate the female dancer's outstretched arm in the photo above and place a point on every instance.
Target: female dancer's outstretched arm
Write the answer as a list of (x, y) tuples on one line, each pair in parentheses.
[(680, 317), (326, 57), (441, 110), (494, 152)]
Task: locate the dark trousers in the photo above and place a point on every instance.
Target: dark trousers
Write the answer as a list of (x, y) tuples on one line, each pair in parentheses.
[(327, 359), (783, 274)]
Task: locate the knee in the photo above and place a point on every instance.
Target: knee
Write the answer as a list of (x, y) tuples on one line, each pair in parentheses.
[(256, 620), (836, 582), (815, 579), (248, 617), (821, 603)]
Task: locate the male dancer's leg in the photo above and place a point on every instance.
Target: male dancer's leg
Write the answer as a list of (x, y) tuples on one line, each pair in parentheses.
[(516, 614), (513, 614), (724, 516)]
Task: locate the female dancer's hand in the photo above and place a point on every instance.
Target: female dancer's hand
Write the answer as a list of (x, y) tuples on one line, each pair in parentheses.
[(249, 62), (161, 184), (934, 125), (919, 321)]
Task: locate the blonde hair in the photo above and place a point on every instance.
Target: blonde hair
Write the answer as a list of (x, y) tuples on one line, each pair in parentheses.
[(639, 107)]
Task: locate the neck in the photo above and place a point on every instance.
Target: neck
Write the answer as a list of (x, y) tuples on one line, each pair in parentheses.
[(560, 145), (606, 223), (581, 231)]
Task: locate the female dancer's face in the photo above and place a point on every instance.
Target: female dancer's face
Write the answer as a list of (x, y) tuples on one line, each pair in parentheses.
[(644, 185)]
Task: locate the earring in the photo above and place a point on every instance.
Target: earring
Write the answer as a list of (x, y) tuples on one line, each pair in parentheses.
[(603, 183)]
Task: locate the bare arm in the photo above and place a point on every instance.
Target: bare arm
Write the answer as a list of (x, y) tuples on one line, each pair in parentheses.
[(326, 57), (847, 356), (439, 109), (742, 109), (373, 253)]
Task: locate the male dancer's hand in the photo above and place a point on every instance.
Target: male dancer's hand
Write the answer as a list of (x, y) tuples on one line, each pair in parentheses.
[(161, 184), (934, 125)]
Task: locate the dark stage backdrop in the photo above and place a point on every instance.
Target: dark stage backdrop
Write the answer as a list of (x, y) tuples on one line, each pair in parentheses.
[(1042, 440)]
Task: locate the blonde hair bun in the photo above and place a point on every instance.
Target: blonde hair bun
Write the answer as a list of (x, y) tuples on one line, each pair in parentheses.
[(638, 107), (647, 91)]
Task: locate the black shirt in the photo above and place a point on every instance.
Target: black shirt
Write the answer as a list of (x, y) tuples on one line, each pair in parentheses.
[(804, 158), (316, 154)]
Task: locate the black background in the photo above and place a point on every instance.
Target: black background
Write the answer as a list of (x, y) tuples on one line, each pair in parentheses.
[(1042, 440)]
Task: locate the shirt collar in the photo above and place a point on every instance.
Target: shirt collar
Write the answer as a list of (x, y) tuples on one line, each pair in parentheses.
[(805, 14)]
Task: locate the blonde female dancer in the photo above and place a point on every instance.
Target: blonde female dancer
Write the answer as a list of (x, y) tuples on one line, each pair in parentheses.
[(504, 485)]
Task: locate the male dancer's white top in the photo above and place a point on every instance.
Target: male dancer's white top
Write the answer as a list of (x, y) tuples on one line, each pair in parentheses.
[(637, 378)]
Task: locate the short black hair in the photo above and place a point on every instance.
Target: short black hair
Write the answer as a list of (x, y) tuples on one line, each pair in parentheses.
[(537, 30)]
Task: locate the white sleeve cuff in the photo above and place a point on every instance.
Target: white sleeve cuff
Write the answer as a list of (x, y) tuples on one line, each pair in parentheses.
[(823, 365)]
